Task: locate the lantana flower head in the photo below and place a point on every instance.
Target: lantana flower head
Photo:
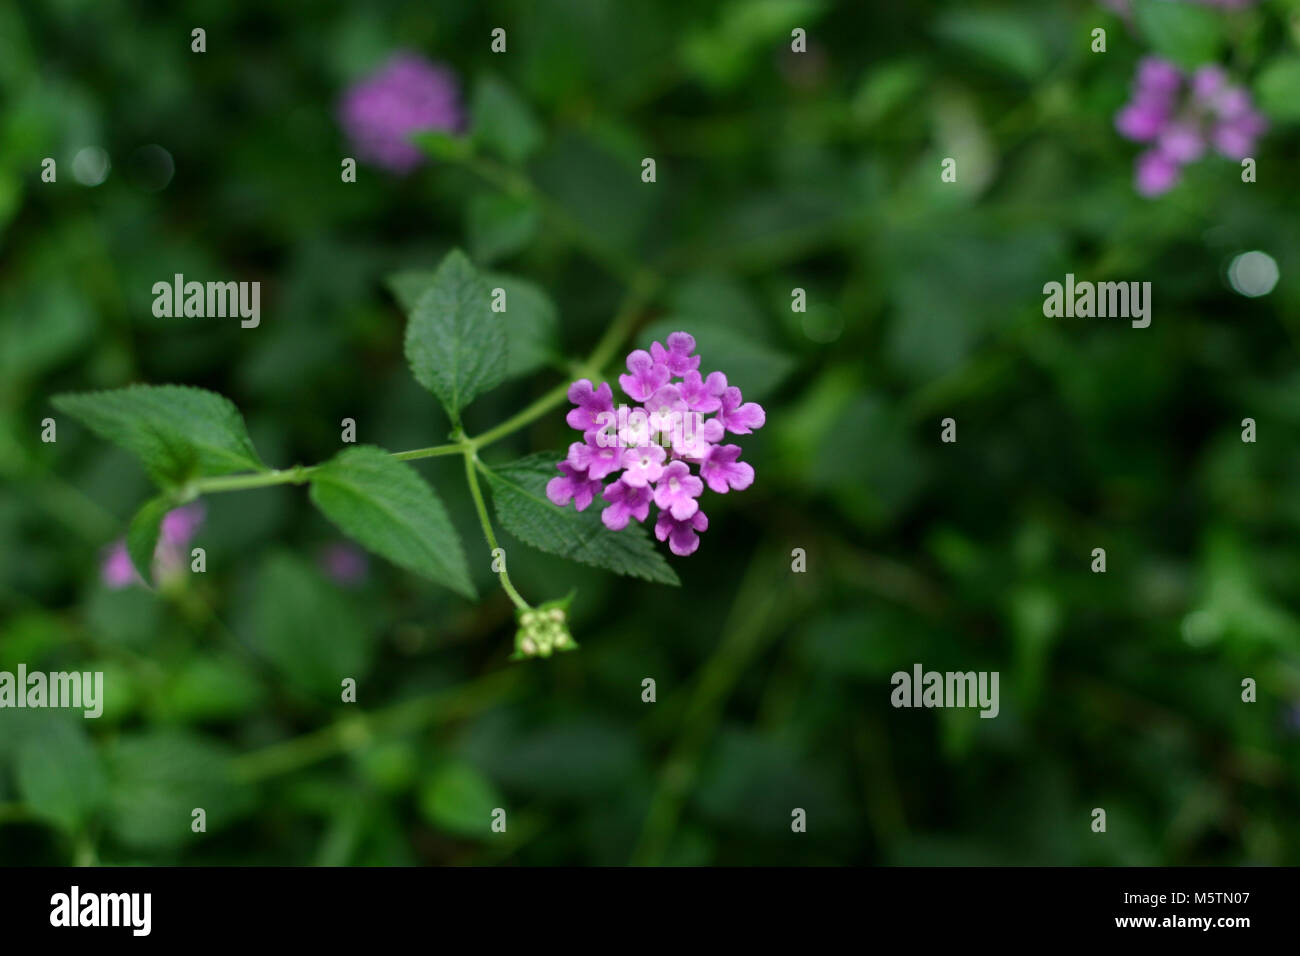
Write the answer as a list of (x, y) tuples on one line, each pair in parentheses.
[(408, 94), (1182, 116), (663, 450)]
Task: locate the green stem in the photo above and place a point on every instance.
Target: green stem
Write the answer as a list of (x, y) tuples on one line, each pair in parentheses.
[(471, 476), (279, 476), (643, 287), (431, 452), (517, 421), (356, 730)]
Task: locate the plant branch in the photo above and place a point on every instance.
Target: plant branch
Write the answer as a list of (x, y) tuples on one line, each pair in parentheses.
[(471, 477)]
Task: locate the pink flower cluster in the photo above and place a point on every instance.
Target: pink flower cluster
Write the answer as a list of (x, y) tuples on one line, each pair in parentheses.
[(408, 94), (178, 528), (1182, 116), (649, 448)]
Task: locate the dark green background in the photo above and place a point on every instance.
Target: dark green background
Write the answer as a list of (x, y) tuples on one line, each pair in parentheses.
[(1119, 691)]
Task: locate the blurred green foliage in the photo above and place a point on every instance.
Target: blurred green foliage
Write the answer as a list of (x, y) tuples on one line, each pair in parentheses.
[(775, 170)]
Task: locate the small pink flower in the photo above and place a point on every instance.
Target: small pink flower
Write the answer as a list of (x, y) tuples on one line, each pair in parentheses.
[(677, 490), (643, 465), (645, 376), (625, 503), (595, 460), (591, 402), (677, 357), (681, 535), (572, 485), (695, 437), (723, 472), (738, 418)]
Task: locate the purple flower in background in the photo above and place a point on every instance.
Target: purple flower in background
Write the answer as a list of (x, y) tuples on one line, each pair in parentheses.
[(117, 570), (1181, 116), (344, 563), (177, 529), (408, 94), (649, 449)]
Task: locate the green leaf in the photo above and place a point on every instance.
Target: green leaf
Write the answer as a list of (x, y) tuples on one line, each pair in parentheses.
[(1184, 32), (455, 344), (503, 123), (306, 627), (178, 432), (142, 535), (459, 799), (1278, 87), (500, 225), (722, 53), (1003, 39), (385, 504), (886, 88), (158, 778), (519, 493), (531, 321), (530, 317), (58, 772)]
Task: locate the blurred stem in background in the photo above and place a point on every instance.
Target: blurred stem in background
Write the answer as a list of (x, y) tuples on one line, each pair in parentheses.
[(759, 611), (357, 730)]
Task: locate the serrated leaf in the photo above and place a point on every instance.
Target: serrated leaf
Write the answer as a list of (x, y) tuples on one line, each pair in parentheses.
[(531, 321), (142, 535), (503, 123), (385, 505), (530, 317), (519, 493), (177, 431), (455, 343)]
